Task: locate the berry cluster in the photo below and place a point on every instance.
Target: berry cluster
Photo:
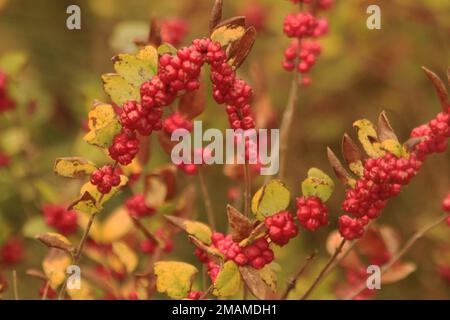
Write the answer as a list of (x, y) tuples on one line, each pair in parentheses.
[(382, 179), (4, 160), (134, 116), (299, 25), (125, 146), (47, 291), (105, 178), (305, 57), (301, 55), (281, 227), (312, 213), (148, 246), (435, 134), (137, 207), (6, 103), (12, 251), (173, 31), (58, 217)]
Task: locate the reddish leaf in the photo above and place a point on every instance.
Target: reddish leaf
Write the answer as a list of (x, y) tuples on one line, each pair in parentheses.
[(384, 129), (192, 104), (216, 15), (440, 88), (239, 50), (241, 226), (339, 170), (352, 155)]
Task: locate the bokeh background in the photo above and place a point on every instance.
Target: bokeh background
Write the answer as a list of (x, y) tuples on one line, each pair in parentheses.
[(360, 73)]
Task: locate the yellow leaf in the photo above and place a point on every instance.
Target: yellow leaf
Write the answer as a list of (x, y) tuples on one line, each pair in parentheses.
[(85, 292), (118, 89), (103, 125), (228, 33), (393, 147), (368, 137), (150, 55), (134, 69), (125, 255), (55, 265), (269, 277), (228, 281), (174, 278), (89, 200), (73, 167), (197, 229), (270, 199), (117, 225)]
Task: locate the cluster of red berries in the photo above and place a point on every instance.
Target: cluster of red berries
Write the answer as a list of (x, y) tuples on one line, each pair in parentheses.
[(382, 179), (256, 255), (6, 103), (176, 121), (303, 58), (105, 178), (435, 134), (299, 25), (301, 55), (58, 217), (137, 207), (281, 227), (12, 251), (312, 213), (177, 74), (173, 31), (125, 147)]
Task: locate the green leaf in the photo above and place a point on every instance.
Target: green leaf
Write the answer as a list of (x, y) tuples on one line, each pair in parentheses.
[(317, 184), (118, 89), (103, 125), (13, 62), (174, 278), (197, 229), (270, 199), (167, 48), (134, 69), (228, 281), (73, 167), (34, 226)]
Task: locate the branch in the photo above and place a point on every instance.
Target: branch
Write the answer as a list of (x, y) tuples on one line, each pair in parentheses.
[(416, 236), (207, 198), (246, 190), (323, 271), (292, 282)]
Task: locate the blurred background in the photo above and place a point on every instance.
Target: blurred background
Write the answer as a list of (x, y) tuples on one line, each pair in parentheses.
[(359, 73)]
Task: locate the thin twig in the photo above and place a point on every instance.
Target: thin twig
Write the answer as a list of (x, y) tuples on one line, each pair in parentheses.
[(341, 257), (15, 286), (207, 199), (206, 293), (246, 189), (79, 251), (416, 236), (293, 281), (44, 295), (138, 224), (323, 271)]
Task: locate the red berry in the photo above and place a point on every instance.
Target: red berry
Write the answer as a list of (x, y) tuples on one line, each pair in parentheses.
[(148, 246), (137, 207), (176, 121), (125, 147), (311, 213), (133, 296), (63, 220), (105, 178), (51, 294), (173, 31), (195, 295), (281, 227), (446, 204), (12, 251), (350, 228)]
